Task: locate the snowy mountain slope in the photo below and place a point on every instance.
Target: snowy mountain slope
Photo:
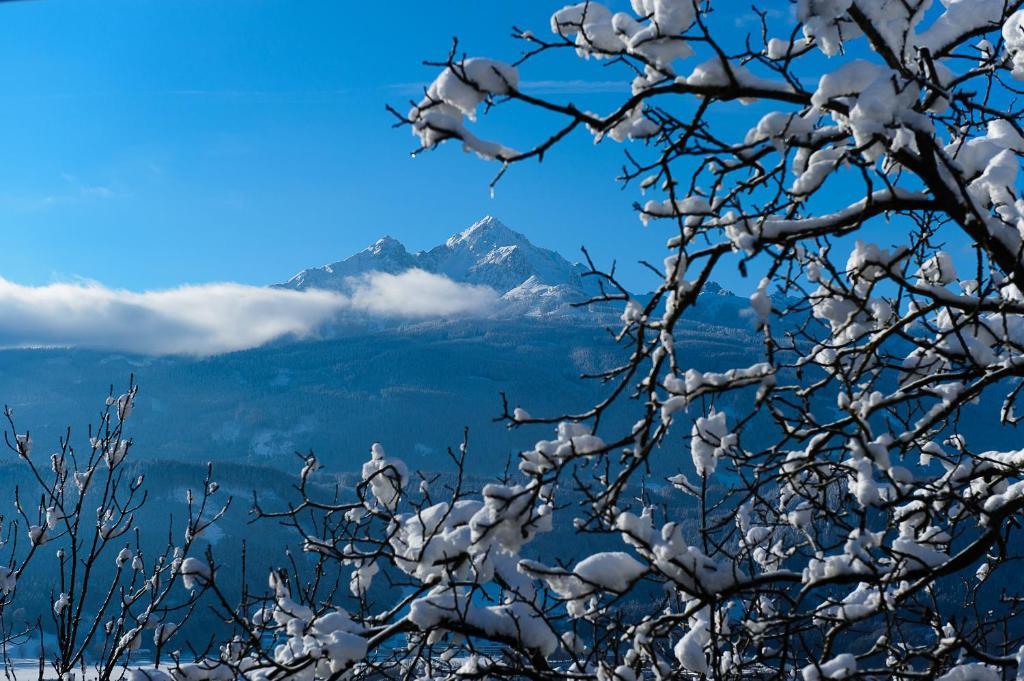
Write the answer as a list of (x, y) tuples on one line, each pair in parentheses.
[(531, 280), (387, 255), (490, 253)]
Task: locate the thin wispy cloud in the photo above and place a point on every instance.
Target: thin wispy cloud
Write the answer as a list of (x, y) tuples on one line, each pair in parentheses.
[(257, 95), (569, 87), (213, 318), (187, 93), (411, 89), (548, 87), (69, 191), (748, 19), (85, 190)]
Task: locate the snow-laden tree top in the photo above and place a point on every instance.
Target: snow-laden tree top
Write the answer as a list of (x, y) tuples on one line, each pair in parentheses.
[(835, 546)]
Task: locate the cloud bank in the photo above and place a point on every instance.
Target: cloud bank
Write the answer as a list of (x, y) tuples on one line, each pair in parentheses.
[(214, 318), (417, 293)]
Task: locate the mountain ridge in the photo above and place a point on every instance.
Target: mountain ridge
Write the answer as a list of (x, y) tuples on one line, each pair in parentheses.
[(530, 281)]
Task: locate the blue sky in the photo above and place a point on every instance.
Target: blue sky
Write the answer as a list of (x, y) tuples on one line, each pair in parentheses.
[(151, 143)]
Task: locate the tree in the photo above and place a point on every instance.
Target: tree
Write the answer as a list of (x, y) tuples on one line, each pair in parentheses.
[(873, 533), (80, 505), (832, 545)]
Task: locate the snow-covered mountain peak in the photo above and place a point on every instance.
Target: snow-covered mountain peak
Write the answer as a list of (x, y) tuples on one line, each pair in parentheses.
[(713, 288), (484, 234), (387, 254), (386, 245)]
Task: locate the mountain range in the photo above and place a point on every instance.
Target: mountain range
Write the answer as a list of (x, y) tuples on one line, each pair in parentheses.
[(528, 279)]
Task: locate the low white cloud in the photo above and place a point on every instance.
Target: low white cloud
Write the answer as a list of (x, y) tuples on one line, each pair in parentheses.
[(213, 318), (417, 293), (200, 320)]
